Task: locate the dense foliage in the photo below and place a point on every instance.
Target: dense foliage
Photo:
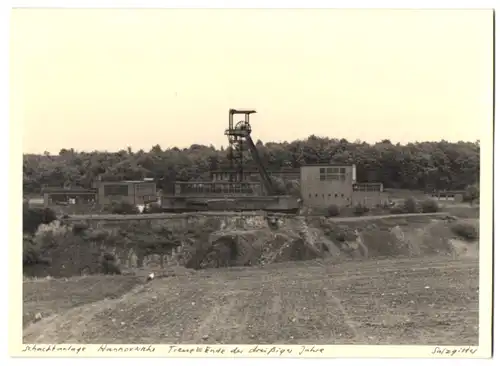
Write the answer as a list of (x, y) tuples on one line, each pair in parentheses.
[(465, 231), (34, 217), (438, 165)]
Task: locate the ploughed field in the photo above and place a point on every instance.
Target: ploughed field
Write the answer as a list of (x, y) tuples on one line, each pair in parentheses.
[(422, 300)]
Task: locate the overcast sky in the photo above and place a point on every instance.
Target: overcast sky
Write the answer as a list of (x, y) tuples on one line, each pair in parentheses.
[(108, 79)]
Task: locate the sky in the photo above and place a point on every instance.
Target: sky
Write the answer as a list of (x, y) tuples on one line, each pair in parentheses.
[(109, 79)]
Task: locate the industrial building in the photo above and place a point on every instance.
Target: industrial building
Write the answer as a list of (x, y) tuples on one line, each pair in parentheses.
[(252, 174), (61, 196), (137, 192), (323, 185), (456, 196)]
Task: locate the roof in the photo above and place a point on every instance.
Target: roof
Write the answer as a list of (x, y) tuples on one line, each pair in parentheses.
[(67, 190), (137, 181), (327, 165), (242, 111), (255, 170), (125, 181)]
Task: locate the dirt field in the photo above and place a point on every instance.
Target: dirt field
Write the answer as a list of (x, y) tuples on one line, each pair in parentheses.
[(426, 300)]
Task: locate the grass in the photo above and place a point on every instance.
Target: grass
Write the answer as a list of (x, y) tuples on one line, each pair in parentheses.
[(395, 301)]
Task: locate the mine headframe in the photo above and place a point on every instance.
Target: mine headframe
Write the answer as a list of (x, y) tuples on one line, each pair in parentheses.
[(239, 136)]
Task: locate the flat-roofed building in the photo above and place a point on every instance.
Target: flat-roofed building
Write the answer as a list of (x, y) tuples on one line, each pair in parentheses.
[(323, 185), (137, 192), (64, 196)]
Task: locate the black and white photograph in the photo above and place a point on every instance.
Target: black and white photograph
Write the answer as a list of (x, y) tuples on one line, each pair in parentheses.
[(308, 178)]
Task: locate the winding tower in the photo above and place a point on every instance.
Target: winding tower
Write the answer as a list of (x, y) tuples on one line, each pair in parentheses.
[(239, 136)]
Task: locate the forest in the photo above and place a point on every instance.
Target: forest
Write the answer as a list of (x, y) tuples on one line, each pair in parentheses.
[(419, 166)]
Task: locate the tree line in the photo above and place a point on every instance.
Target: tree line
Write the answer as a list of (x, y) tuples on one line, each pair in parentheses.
[(439, 165)]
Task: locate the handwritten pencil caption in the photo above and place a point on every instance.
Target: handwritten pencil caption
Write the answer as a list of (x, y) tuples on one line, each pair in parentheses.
[(262, 350), (452, 351)]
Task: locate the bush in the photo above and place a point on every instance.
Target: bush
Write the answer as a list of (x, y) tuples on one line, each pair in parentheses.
[(279, 185), (410, 205), (465, 231), (109, 264), (153, 208), (293, 188), (79, 228), (124, 208), (53, 235), (34, 217), (360, 209), (32, 253), (397, 210), (429, 206), (333, 210), (344, 234), (471, 194)]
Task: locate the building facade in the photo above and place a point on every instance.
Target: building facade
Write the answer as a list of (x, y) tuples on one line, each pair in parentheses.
[(62, 196), (325, 185), (369, 194), (135, 192), (218, 188), (456, 196), (103, 193), (249, 175)]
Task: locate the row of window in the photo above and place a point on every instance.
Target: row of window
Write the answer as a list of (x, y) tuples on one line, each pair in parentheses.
[(143, 189), (115, 190), (332, 177), (323, 195), (367, 188), (336, 195), (332, 170), (227, 176), (218, 188)]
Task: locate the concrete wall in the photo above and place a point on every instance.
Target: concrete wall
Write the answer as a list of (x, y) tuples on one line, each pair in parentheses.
[(135, 192), (321, 193), (278, 203), (144, 190)]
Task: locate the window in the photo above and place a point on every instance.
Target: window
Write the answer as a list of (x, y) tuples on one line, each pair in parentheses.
[(143, 189), (342, 195), (336, 195), (329, 194), (373, 187), (115, 190), (316, 195), (332, 174), (310, 195)]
